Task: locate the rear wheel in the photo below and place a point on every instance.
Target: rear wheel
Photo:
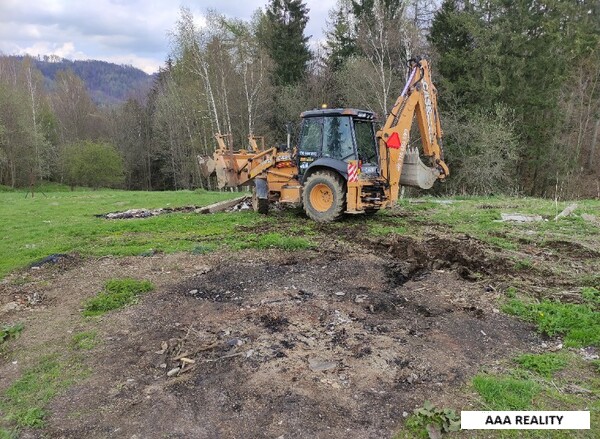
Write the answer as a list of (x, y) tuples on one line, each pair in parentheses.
[(324, 196)]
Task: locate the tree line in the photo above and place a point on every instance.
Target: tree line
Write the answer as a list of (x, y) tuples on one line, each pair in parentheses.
[(518, 84)]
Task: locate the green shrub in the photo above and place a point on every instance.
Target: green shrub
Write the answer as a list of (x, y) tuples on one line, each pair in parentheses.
[(94, 165)]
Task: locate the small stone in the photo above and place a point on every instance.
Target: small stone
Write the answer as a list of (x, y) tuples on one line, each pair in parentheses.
[(340, 293), (544, 345), (235, 342), (173, 371), (193, 292), (162, 365), (558, 347), (360, 298), (495, 310), (321, 366), (405, 414)]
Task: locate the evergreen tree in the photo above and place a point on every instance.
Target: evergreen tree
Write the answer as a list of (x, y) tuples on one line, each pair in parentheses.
[(517, 53), (341, 37), (282, 35)]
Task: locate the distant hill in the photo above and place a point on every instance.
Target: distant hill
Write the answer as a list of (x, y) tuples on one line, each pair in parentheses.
[(107, 83)]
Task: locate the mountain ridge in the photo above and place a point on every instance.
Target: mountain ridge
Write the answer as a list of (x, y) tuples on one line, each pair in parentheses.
[(108, 83)]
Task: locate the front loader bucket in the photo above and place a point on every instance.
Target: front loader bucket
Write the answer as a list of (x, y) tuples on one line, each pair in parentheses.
[(207, 166), (415, 173)]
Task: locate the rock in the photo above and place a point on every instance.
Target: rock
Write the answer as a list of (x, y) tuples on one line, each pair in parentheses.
[(340, 293), (558, 347), (589, 353), (412, 378), (235, 342), (321, 366), (360, 298), (173, 371), (520, 218), (566, 212), (193, 292), (590, 218)]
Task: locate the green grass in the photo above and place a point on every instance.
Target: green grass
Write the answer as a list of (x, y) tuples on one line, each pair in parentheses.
[(505, 393), (84, 340), (24, 402), (273, 240), (579, 323), (64, 222), (10, 331), (117, 294), (543, 364), (479, 217)]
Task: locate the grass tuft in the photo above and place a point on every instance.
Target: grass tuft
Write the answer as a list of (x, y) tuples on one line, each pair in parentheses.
[(84, 340), (579, 323), (10, 331), (505, 393), (23, 403), (117, 294), (543, 364), (591, 295)]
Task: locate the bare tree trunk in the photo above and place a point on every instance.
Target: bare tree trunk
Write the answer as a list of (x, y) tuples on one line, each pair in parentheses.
[(593, 144)]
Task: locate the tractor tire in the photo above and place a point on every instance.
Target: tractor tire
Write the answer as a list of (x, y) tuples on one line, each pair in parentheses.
[(260, 205), (324, 196)]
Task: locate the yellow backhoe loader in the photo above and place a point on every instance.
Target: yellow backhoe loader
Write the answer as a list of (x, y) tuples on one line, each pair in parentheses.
[(341, 165)]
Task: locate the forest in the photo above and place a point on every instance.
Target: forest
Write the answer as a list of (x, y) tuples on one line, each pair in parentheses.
[(518, 84)]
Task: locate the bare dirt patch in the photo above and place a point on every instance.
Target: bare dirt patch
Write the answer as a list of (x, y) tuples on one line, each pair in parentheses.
[(333, 343)]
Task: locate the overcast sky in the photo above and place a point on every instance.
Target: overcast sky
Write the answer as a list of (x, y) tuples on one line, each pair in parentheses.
[(121, 31)]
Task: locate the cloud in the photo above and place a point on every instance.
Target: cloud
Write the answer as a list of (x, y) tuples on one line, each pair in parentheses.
[(132, 31)]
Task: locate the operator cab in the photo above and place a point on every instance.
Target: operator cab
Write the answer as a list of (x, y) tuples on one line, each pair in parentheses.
[(332, 137)]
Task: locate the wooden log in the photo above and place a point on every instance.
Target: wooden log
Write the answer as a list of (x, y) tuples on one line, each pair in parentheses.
[(220, 206)]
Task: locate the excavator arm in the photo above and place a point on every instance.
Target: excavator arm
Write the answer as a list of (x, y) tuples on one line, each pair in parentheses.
[(400, 162)]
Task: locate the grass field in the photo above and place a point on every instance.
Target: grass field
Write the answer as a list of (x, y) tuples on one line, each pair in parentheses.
[(64, 222), (550, 277)]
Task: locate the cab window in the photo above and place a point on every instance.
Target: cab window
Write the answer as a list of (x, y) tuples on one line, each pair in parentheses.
[(365, 141), (337, 138), (311, 134)]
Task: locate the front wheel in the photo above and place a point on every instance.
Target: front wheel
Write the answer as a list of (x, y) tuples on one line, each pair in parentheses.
[(324, 196)]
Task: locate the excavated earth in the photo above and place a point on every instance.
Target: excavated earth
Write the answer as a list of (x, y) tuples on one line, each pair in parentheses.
[(337, 342)]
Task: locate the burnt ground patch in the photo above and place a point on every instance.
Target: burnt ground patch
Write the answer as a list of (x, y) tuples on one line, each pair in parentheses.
[(304, 344)]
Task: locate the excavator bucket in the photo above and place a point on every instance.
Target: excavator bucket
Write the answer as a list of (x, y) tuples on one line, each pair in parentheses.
[(207, 166), (216, 166), (415, 173)]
